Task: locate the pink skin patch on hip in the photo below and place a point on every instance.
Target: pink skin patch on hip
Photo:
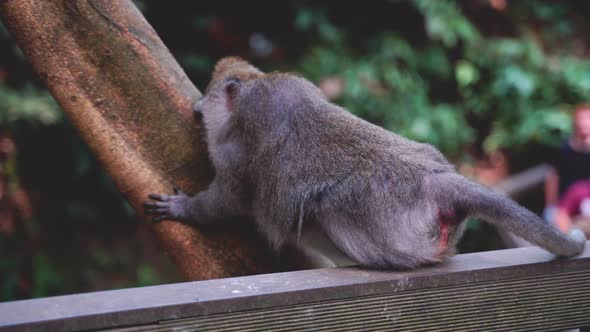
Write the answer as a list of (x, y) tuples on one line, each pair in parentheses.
[(446, 220)]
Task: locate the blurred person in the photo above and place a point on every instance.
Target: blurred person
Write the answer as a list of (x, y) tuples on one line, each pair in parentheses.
[(574, 207), (571, 163)]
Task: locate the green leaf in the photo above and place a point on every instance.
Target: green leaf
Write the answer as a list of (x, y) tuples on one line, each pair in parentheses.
[(466, 73)]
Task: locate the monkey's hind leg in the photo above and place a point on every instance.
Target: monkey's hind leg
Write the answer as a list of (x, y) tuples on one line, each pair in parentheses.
[(374, 244)]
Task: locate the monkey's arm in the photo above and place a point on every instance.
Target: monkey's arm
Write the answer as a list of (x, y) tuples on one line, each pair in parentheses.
[(215, 203)]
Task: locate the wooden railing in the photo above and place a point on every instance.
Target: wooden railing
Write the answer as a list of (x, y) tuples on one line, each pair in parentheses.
[(523, 289)]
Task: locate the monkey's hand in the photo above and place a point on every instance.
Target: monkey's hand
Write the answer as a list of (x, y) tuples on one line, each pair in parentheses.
[(167, 207)]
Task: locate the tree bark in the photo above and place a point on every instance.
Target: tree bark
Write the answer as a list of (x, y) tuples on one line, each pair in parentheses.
[(131, 102)]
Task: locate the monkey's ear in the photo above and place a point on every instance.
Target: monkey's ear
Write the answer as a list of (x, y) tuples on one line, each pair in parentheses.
[(232, 86)]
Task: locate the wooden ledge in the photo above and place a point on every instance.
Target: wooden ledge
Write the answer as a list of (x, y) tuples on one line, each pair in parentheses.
[(509, 289)]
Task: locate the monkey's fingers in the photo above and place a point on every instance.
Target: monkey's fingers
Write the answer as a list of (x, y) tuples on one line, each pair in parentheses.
[(158, 197), (155, 204)]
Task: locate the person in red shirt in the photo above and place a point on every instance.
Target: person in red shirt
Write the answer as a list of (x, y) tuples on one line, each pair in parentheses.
[(574, 207), (571, 163)]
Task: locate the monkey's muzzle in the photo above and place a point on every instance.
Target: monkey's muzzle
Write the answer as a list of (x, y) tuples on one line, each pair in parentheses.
[(197, 109)]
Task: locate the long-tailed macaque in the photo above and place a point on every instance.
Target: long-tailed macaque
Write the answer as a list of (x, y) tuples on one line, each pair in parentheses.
[(285, 156)]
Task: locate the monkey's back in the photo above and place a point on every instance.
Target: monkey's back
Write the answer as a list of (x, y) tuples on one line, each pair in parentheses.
[(317, 144), (354, 145), (306, 126), (363, 184)]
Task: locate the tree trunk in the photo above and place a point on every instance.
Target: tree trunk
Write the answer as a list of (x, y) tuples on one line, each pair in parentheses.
[(131, 102)]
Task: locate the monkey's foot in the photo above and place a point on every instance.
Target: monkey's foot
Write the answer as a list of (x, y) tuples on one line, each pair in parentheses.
[(167, 207)]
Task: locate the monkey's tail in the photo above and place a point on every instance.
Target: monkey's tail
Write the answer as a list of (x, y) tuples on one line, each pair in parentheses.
[(481, 202)]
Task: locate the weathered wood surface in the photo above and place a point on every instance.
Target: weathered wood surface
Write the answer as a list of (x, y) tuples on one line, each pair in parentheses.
[(523, 289), (131, 102)]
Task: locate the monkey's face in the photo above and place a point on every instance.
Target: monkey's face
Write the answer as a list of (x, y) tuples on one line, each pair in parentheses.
[(216, 108)]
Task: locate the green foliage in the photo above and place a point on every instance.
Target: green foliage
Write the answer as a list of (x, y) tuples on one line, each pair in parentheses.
[(446, 91), (27, 104), (445, 23), (197, 63), (30, 105), (523, 91), (147, 276), (390, 85), (317, 21), (46, 279)]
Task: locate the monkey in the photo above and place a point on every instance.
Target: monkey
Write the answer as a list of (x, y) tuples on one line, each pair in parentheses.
[(285, 156)]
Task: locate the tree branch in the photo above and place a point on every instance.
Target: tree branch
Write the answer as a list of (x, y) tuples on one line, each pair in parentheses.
[(131, 102)]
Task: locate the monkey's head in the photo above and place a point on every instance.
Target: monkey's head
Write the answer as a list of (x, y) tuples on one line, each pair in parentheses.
[(223, 93), (241, 96)]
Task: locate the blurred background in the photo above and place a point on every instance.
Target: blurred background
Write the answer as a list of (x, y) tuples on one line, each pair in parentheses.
[(492, 83)]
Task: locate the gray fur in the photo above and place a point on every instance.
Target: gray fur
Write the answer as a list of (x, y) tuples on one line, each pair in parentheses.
[(285, 156)]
